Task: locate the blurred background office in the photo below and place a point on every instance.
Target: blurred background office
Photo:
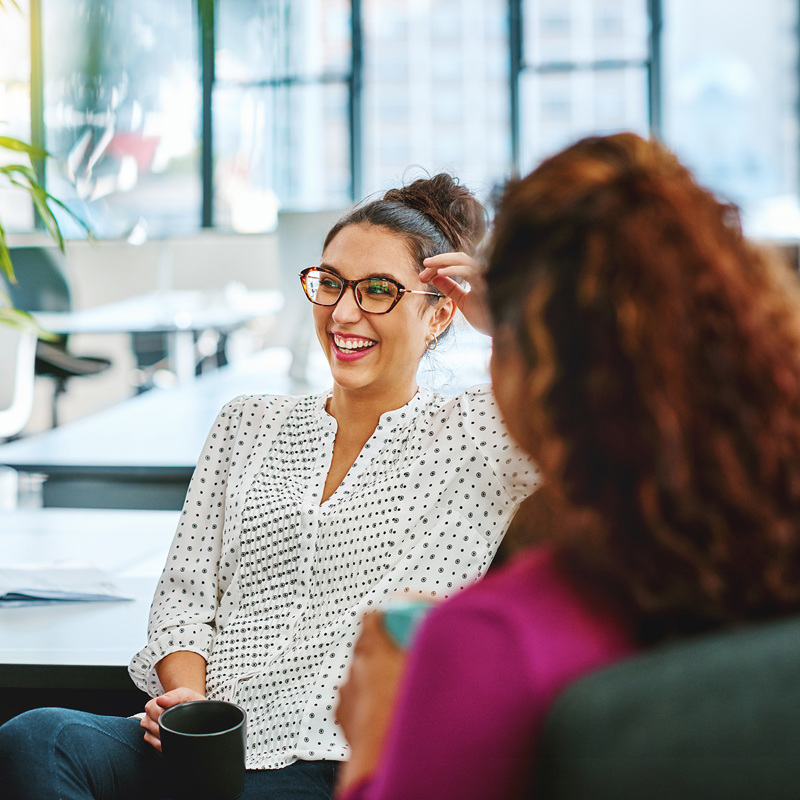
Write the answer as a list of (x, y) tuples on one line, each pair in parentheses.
[(184, 131), (209, 144)]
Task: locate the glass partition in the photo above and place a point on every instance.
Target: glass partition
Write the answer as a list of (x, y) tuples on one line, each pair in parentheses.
[(121, 113)]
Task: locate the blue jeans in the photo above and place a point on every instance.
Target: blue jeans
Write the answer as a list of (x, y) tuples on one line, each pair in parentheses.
[(58, 754)]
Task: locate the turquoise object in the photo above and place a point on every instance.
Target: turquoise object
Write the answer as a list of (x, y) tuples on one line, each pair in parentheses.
[(402, 617)]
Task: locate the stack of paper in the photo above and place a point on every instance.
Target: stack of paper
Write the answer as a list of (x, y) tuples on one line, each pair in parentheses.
[(23, 586)]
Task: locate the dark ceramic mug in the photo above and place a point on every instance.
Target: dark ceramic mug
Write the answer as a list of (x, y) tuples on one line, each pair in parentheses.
[(203, 743)]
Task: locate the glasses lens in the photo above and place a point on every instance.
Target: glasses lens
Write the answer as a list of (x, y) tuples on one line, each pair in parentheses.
[(376, 295), (322, 287)]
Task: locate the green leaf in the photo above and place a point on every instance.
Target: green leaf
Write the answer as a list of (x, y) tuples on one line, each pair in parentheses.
[(24, 177), (6, 266), (69, 211), (32, 150), (22, 320), (40, 197), (21, 169)]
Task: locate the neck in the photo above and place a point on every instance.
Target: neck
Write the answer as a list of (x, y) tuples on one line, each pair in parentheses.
[(359, 409)]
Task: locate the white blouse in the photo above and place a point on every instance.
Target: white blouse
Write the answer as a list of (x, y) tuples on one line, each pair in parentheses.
[(269, 585)]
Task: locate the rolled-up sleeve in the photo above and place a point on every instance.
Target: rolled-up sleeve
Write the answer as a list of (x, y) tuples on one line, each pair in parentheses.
[(184, 609)]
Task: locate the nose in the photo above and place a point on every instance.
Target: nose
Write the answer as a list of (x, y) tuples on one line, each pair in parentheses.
[(347, 310)]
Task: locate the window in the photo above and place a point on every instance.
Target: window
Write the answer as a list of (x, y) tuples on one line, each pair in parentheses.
[(280, 100), (452, 71), (15, 104), (315, 103), (176, 113), (730, 104), (581, 73), (124, 110), (121, 111)]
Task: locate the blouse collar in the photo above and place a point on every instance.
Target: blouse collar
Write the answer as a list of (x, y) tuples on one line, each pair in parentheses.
[(390, 422)]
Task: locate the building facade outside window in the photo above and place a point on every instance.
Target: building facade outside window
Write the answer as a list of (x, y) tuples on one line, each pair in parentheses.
[(311, 104)]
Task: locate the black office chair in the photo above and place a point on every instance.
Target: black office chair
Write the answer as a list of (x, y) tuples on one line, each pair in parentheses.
[(713, 717), (42, 286)]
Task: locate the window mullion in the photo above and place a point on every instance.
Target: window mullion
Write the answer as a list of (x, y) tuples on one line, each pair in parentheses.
[(37, 93), (515, 68), (654, 8), (205, 18), (355, 101)]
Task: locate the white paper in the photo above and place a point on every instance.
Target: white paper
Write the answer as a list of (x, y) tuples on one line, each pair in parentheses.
[(22, 586)]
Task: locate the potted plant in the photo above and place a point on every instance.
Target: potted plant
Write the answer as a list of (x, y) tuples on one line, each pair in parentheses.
[(21, 175)]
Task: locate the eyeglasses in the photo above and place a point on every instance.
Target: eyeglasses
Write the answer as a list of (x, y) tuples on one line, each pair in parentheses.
[(373, 295)]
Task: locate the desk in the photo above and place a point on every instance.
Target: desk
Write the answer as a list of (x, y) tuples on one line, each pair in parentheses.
[(60, 653), (142, 452), (177, 314)]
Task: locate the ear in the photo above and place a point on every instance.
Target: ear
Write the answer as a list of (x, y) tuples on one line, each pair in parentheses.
[(443, 316)]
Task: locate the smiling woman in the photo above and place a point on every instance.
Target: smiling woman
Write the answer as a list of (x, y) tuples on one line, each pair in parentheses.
[(306, 512), (375, 345)]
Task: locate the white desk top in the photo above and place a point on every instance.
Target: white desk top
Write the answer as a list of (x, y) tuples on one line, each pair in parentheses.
[(130, 545), (159, 432), (164, 312)]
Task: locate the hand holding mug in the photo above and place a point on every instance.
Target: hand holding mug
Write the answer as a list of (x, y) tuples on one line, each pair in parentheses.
[(158, 705), (367, 697)]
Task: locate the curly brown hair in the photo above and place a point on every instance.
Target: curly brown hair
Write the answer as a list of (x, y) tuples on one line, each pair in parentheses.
[(661, 391)]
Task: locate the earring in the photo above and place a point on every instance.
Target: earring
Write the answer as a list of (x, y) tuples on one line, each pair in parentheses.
[(433, 343)]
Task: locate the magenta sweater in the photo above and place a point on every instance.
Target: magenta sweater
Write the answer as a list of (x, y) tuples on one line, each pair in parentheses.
[(482, 672)]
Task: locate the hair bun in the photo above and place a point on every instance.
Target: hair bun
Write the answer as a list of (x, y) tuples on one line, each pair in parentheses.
[(451, 207)]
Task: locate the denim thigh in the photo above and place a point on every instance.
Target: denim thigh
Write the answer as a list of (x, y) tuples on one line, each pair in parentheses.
[(72, 755)]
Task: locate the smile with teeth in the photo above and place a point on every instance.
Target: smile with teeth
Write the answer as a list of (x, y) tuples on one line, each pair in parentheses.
[(352, 344)]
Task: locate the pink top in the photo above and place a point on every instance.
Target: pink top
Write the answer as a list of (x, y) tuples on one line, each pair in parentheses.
[(482, 673)]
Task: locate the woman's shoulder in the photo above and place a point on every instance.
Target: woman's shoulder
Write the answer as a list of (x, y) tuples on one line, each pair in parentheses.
[(261, 404), (475, 400), (533, 596), (533, 572), (477, 393)]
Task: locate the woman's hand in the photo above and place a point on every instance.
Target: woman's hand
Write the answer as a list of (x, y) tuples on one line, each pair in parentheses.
[(158, 705), (367, 698), (440, 271)]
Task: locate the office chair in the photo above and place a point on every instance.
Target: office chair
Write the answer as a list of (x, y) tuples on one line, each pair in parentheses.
[(715, 716), (17, 355), (42, 286)]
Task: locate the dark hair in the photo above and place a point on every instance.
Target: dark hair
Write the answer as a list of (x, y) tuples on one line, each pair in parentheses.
[(433, 215), (662, 388)]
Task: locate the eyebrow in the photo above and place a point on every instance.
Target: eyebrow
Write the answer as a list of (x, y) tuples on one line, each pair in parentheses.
[(329, 268)]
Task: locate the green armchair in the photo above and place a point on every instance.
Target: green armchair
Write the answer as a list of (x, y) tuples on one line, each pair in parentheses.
[(715, 716)]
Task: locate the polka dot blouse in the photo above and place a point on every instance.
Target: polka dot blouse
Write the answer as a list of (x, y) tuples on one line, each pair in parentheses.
[(269, 585)]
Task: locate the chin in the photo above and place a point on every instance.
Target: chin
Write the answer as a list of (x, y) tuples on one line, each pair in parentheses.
[(349, 378)]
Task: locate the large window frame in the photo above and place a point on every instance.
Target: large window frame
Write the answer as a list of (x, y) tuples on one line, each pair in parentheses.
[(354, 80), (518, 66)]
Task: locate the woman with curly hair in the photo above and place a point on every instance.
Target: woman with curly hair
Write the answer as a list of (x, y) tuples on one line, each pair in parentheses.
[(648, 357)]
